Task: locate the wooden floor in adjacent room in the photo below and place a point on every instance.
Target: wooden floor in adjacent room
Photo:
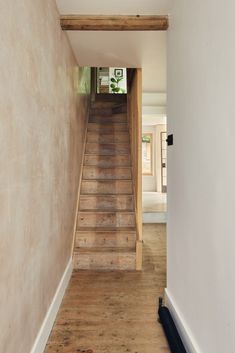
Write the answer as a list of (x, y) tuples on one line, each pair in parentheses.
[(115, 312)]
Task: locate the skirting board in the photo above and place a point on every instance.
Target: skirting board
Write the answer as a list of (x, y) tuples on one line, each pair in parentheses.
[(184, 332), (45, 330)]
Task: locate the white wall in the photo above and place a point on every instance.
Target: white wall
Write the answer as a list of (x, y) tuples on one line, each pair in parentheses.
[(201, 170)]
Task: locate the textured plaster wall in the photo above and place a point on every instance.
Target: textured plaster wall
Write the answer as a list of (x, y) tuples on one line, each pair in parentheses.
[(41, 133)]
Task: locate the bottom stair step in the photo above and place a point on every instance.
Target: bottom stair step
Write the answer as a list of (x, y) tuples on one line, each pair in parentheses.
[(105, 238), (104, 259)]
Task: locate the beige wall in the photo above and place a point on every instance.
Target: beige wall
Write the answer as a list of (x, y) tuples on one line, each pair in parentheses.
[(41, 129)]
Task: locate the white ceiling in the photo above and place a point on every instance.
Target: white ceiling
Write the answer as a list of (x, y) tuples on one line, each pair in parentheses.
[(124, 49), (121, 49), (114, 7)]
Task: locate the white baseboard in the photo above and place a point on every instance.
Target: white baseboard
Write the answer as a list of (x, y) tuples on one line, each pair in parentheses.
[(184, 331), (45, 330)]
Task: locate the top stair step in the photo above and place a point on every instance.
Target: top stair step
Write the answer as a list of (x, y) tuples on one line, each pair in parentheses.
[(109, 97)]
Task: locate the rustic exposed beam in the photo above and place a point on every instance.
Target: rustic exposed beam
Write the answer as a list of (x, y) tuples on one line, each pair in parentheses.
[(113, 23)]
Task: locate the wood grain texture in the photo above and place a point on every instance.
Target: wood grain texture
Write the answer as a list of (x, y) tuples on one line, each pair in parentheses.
[(134, 103), (108, 127), (108, 137), (97, 173), (105, 258), (107, 149), (117, 118), (115, 312), (103, 161), (106, 238), (107, 202), (113, 23), (106, 219), (106, 187), (110, 209)]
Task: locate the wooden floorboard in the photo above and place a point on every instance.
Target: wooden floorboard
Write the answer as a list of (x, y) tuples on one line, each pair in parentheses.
[(115, 312)]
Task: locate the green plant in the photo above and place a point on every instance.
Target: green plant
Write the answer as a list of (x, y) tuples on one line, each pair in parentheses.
[(146, 139), (115, 85)]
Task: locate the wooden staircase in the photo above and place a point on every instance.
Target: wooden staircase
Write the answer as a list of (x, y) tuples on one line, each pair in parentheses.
[(106, 222)]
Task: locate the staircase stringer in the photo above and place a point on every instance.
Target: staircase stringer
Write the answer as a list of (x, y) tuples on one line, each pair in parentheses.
[(80, 180)]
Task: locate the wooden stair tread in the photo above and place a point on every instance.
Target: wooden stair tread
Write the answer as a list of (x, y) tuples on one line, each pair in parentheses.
[(106, 180), (103, 161), (111, 210), (110, 124), (115, 231), (105, 250), (106, 229), (107, 212), (112, 203), (106, 220), (102, 194), (107, 167)]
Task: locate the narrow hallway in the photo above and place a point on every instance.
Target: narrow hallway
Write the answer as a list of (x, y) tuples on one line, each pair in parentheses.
[(115, 312)]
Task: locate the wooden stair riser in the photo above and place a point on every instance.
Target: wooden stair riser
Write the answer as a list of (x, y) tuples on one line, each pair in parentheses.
[(119, 109), (109, 105), (106, 187), (104, 261), (90, 172), (111, 161), (99, 137), (111, 128), (101, 111), (114, 98), (115, 118), (89, 239), (106, 219), (106, 202), (107, 149)]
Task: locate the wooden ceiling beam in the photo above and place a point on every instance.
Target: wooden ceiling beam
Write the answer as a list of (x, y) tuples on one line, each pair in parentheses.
[(113, 23)]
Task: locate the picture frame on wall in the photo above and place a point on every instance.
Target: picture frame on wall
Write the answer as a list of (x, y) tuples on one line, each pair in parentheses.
[(118, 73)]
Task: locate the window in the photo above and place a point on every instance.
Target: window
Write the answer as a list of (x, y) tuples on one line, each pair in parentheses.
[(147, 154)]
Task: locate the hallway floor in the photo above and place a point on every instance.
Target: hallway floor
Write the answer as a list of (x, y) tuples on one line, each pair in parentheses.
[(115, 312), (154, 202)]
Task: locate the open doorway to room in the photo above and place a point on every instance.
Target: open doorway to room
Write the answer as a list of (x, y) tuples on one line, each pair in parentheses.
[(154, 159)]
